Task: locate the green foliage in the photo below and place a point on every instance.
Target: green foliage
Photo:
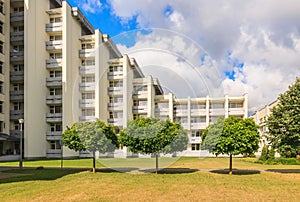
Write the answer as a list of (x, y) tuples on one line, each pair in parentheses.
[(231, 136), (283, 124), (90, 136), (264, 154), (151, 135), (280, 161)]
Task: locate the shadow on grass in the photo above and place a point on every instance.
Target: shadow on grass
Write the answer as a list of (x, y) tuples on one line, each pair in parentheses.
[(284, 170), (115, 170), (170, 170), (32, 174), (236, 172)]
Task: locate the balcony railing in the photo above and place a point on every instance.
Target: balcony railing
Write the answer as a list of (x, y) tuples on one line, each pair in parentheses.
[(115, 75), (54, 27), (197, 126), (87, 118), (139, 94), (56, 117), (53, 63), (139, 109), (161, 111), (198, 112), (53, 135), (17, 17), (87, 103), (16, 114), (53, 81), (16, 76), (17, 56), (217, 112), (15, 133), (115, 90), (87, 53), (16, 36), (54, 45), (86, 70), (236, 111), (54, 99), (115, 106), (17, 95), (53, 153), (89, 86), (115, 121), (194, 139)]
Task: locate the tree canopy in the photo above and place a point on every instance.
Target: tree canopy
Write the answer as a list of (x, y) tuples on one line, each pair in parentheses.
[(90, 136), (231, 136), (152, 135), (284, 122)]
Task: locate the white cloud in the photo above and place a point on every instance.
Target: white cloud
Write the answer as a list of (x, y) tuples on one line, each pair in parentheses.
[(265, 35), (90, 6)]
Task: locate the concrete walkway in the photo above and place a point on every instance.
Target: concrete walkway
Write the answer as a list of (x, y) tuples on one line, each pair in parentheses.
[(10, 158)]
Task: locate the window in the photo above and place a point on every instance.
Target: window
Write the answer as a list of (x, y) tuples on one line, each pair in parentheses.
[(1, 107), (1, 87), (18, 87), (116, 84), (55, 19), (55, 91), (198, 106), (1, 68), (19, 67), (16, 125), (195, 147), (55, 144), (18, 105), (1, 27), (1, 126), (88, 96), (235, 105), (115, 68), (55, 55), (1, 7), (55, 109), (55, 127), (18, 9), (116, 100), (87, 79), (56, 73), (113, 115), (88, 112), (1, 47), (87, 46), (201, 119), (195, 133), (18, 48), (56, 38), (88, 62), (18, 28), (216, 106)]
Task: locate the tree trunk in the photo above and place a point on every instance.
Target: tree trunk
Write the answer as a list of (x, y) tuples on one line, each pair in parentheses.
[(156, 160), (230, 164), (94, 162)]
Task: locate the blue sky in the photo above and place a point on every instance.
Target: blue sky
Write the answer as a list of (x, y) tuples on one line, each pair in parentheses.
[(253, 45)]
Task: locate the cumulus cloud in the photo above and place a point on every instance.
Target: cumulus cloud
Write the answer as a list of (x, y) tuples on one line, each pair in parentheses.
[(90, 6), (262, 35)]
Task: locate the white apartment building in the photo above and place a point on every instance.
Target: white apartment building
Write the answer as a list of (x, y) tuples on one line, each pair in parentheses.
[(56, 69)]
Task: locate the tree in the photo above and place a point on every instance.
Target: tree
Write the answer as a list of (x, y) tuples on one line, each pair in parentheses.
[(231, 136), (283, 123), (90, 136), (152, 135)]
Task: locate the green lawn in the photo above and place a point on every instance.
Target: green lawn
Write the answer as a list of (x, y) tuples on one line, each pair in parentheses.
[(188, 179)]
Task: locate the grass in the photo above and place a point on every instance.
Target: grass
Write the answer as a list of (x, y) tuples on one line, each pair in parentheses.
[(173, 184)]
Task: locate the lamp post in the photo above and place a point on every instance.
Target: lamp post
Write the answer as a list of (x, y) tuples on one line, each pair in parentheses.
[(21, 121)]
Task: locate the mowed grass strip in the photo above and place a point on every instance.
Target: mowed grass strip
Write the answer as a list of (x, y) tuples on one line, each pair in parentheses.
[(75, 185)]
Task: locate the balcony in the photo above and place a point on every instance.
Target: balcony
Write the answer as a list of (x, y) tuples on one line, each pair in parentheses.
[(16, 36), (15, 133), (87, 103), (89, 86), (16, 76), (54, 99), (17, 95), (194, 140), (182, 112), (53, 153), (54, 45), (115, 106), (198, 112), (17, 17), (16, 1), (115, 75), (53, 81), (54, 63), (197, 126), (115, 121), (161, 111), (139, 109), (54, 118), (115, 90), (54, 27), (53, 135), (87, 53), (236, 111), (16, 114), (140, 94), (217, 112), (83, 70), (17, 56), (87, 118)]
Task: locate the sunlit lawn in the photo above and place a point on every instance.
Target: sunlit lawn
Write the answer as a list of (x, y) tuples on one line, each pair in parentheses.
[(194, 181)]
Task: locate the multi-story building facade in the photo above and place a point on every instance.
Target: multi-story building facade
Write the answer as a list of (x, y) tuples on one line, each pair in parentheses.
[(56, 69), (260, 117)]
